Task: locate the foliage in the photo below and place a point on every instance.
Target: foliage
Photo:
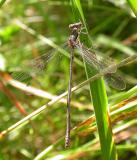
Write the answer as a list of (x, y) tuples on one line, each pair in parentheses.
[(32, 28)]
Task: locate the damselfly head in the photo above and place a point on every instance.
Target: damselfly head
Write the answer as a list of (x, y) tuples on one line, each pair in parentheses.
[(75, 26)]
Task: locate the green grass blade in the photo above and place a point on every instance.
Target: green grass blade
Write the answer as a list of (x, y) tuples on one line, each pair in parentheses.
[(111, 42), (100, 102), (133, 5), (2, 2), (117, 114)]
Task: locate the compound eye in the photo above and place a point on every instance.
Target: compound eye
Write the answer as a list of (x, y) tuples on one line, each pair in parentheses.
[(71, 26)]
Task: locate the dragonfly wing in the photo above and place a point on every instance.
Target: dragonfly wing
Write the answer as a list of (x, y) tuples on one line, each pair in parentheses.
[(88, 58), (100, 63), (22, 76), (36, 66), (115, 81)]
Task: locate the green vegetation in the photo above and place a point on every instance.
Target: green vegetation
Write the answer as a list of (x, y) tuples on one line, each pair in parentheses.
[(33, 101)]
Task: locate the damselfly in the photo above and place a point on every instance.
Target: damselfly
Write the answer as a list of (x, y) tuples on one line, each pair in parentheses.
[(99, 63)]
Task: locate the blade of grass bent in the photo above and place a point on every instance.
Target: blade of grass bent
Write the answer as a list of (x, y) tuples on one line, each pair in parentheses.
[(100, 103)]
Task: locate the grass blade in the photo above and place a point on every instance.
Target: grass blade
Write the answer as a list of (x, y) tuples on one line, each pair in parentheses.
[(100, 103), (133, 5), (2, 2)]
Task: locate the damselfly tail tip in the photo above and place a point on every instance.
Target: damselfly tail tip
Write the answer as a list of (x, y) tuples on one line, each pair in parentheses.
[(67, 144), (67, 141)]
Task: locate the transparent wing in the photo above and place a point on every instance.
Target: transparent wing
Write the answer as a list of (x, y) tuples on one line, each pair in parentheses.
[(99, 63), (115, 81), (36, 66), (103, 64)]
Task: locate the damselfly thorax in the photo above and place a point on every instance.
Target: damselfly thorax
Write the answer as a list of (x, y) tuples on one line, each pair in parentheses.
[(75, 32)]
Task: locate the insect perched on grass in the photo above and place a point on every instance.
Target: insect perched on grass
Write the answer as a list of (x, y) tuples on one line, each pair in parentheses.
[(100, 64)]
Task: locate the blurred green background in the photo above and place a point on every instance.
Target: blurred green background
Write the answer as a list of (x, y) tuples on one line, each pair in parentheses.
[(112, 28)]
